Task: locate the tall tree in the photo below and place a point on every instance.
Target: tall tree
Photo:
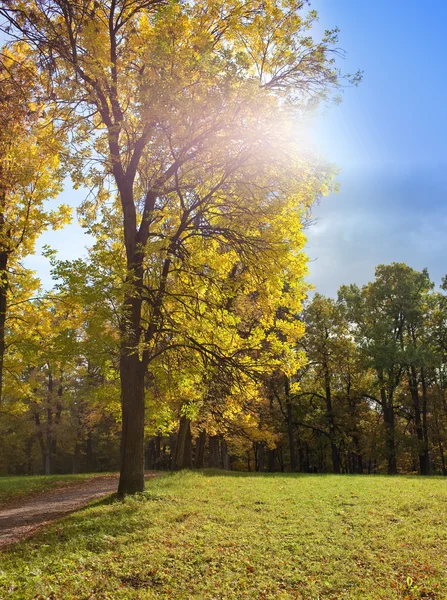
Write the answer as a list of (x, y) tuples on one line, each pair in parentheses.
[(388, 316), (326, 332), (185, 106)]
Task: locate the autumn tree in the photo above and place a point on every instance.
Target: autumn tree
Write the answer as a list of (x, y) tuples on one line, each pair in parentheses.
[(30, 171), (186, 109), (61, 406)]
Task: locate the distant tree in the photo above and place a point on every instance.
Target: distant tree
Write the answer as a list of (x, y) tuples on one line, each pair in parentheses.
[(389, 318)]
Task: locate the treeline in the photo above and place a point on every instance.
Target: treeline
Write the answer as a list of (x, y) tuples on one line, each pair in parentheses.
[(370, 396)]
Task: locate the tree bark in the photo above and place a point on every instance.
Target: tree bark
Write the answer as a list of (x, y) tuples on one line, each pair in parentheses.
[(40, 437), (290, 431), (302, 461), (29, 456), (439, 436), (280, 459), (357, 454), (414, 391), (388, 420), (200, 450), (157, 451), (182, 458), (3, 309), (76, 456), (149, 455), (49, 429), (90, 465), (330, 416), (388, 417), (271, 460), (426, 451), (213, 445), (132, 434), (260, 457), (441, 453), (48, 444), (132, 367), (225, 457)]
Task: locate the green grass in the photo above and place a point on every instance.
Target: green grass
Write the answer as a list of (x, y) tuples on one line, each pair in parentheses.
[(235, 536), (15, 487)]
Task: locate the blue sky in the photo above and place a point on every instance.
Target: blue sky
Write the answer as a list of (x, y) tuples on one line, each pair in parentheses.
[(388, 139)]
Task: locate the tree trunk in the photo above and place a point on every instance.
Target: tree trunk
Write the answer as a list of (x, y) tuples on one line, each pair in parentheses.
[(57, 420), (225, 457), (40, 437), (171, 454), (357, 454), (48, 444), (426, 451), (423, 455), (336, 467), (90, 466), (260, 457), (439, 436), (132, 434), (281, 459), (390, 440), (441, 453), (187, 456), (3, 309), (157, 451), (49, 429), (200, 450), (321, 468), (330, 416), (290, 431), (183, 447), (302, 460), (132, 367), (149, 455), (271, 460), (213, 445), (76, 456), (28, 453), (388, 419)]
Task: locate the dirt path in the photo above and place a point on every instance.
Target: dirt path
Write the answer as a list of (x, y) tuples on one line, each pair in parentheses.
[(24, 518)]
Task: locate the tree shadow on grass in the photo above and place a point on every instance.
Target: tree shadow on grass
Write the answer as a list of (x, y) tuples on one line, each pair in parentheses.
[(279, 474), (269, 475)]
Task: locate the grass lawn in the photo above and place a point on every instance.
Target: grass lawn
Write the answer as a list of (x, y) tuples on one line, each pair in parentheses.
[(17, 487), (230, 536)]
